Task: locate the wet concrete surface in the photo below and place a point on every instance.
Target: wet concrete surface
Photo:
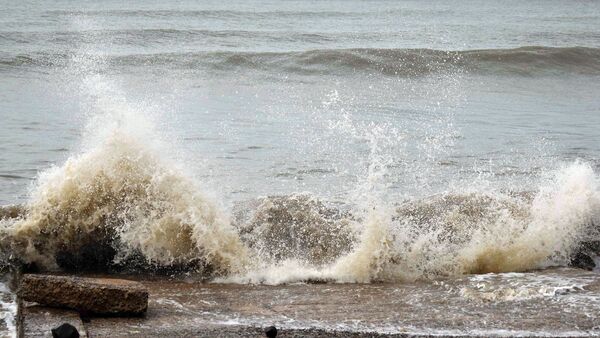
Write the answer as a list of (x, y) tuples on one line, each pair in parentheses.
[(560, 303), (38, 321)]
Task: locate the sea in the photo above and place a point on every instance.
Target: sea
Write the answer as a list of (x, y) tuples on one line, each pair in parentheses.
[(276, 142)]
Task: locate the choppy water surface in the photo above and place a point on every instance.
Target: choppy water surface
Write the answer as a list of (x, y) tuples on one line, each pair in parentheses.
[(274, 98), (276, 142)]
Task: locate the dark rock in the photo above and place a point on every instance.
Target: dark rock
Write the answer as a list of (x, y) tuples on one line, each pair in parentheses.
[(582, 261), (66, 330), (90, 295), (91, 256), (136, 263), (30, 268), (99, 256), (271, 332), (85, 316)]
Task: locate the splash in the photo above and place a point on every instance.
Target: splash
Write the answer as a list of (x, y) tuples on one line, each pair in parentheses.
[(449, 234), (125, 196), (469, 233), (123, 199)]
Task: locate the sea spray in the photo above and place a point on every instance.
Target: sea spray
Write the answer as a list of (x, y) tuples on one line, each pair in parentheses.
[(562, 215), (369, 259), (123, 195), (371, 254), (498, 231)]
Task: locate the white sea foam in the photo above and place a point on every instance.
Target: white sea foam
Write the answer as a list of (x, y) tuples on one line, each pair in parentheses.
[(8, 311), (521, 286)]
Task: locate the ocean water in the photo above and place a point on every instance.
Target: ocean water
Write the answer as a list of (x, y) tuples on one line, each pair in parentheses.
[(284, 141), (261, 98)]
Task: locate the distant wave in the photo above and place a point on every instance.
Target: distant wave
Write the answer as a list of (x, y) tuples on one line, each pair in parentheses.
[(221, 13), (160, 35), (532, 60)]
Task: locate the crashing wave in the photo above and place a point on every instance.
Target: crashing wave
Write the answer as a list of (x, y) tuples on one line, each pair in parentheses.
[(122, 198), (117, 201)]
